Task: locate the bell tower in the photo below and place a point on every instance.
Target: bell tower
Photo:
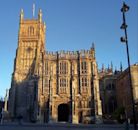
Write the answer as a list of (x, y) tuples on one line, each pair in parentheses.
[(31, 47), (31, 43)]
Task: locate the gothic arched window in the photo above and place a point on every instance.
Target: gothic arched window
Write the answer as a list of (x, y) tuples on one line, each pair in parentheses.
[(63, 67), (84, 82), (83, 67), (31, 30), (63, 82), (46, 68)]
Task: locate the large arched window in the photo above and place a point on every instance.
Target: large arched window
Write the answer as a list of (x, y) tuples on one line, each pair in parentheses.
[(46, 68), (63, 67), (83, 67), (84, 82)]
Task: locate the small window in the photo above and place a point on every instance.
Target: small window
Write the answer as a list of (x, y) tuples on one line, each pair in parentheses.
[(31, 30), (63, 82), (84, 67)]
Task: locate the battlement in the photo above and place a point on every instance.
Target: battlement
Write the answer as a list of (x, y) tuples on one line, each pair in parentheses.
[(72, 54)]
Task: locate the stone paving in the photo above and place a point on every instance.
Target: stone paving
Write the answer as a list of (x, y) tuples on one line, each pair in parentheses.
[(63, 126)]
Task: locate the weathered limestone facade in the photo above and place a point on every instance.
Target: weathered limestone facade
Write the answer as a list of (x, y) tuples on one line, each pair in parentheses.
[(52, 87), (124, 91), (107, 84)]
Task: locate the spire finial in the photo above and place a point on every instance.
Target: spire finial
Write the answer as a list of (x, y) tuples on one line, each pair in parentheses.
[(93, 46), (40, 15), (33, 10), (21, 15), (111, 65), (21, 11), (44, 25), (102, 67), (108, 67), (121, 67), (92, 49)]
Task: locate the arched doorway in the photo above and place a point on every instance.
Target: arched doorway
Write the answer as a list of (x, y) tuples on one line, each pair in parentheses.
[(63, 112)]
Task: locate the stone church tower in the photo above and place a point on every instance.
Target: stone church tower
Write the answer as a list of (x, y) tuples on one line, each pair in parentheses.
[(52, 86)]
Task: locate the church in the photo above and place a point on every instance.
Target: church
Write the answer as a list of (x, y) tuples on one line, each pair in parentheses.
[(60, 86)]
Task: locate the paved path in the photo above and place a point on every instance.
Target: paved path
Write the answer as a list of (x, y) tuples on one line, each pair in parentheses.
[(62, 126)]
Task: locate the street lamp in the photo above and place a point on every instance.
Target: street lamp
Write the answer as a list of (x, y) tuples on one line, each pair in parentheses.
[(124, 39)]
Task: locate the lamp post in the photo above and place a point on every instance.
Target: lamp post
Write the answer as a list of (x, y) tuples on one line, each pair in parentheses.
[(124, 39)]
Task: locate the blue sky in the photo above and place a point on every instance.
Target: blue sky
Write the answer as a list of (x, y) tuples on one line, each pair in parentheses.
[(71, 25)]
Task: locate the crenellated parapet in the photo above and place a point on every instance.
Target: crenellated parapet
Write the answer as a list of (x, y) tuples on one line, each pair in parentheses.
[(84, 54)]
